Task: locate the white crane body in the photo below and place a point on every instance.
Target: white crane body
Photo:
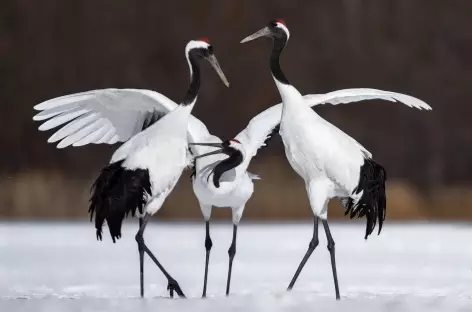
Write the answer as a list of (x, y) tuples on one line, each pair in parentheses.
[(331, 163), (318, 151)]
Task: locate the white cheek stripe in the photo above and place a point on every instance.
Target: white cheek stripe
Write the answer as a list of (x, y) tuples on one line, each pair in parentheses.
[(282, 26), (192, 44)]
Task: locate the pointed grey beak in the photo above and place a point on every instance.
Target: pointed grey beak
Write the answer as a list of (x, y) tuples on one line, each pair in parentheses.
[(207, 144), (214, 63), (264, 32), (218, 151)]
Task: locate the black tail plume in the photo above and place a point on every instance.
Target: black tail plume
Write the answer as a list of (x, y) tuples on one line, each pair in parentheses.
[(373, 203), (116, 193)]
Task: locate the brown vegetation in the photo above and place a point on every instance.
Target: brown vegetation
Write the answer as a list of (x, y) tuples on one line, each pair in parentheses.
[(280, 195)]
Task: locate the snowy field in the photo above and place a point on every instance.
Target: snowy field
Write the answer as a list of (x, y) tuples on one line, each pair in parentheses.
[(61, 267)]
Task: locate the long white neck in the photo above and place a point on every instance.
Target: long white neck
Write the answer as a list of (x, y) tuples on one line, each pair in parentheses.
[(292, 99), (182, 116)]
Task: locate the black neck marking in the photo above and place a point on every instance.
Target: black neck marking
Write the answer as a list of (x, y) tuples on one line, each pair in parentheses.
[(279, 44), (234, 160), (194, 59)]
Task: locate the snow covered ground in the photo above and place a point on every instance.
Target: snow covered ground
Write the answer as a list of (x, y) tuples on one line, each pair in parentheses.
[(409, 267)]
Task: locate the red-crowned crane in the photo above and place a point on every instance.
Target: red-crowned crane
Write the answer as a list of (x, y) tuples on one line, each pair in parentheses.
[(331, 163), (144, 170)]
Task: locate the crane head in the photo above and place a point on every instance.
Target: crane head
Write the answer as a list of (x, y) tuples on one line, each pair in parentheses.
[(276, 29), (202, 48), (229, 147), (233, 148)]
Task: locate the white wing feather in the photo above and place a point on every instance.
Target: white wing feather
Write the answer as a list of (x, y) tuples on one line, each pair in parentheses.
[(259, 129), (106, 116), (262, 125), (355, 95)]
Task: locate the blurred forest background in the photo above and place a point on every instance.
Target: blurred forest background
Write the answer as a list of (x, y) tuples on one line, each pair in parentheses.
[(423, 48)]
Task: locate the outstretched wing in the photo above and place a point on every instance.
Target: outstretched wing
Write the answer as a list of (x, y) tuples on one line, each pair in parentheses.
[(345, 96), (266, 124), (260, 129), (106, 116)]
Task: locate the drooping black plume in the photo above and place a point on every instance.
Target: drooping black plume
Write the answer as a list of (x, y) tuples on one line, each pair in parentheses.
[(117, 192), (373, 203)]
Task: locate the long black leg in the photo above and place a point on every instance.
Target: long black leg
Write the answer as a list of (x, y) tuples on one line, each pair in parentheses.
[(313, 243), (172, 283), (208, 245), (141, 260), (231, 253), (333, 259)]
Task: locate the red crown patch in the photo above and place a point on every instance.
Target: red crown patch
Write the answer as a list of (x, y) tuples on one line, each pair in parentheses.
[(205, 39), (281, 21)]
